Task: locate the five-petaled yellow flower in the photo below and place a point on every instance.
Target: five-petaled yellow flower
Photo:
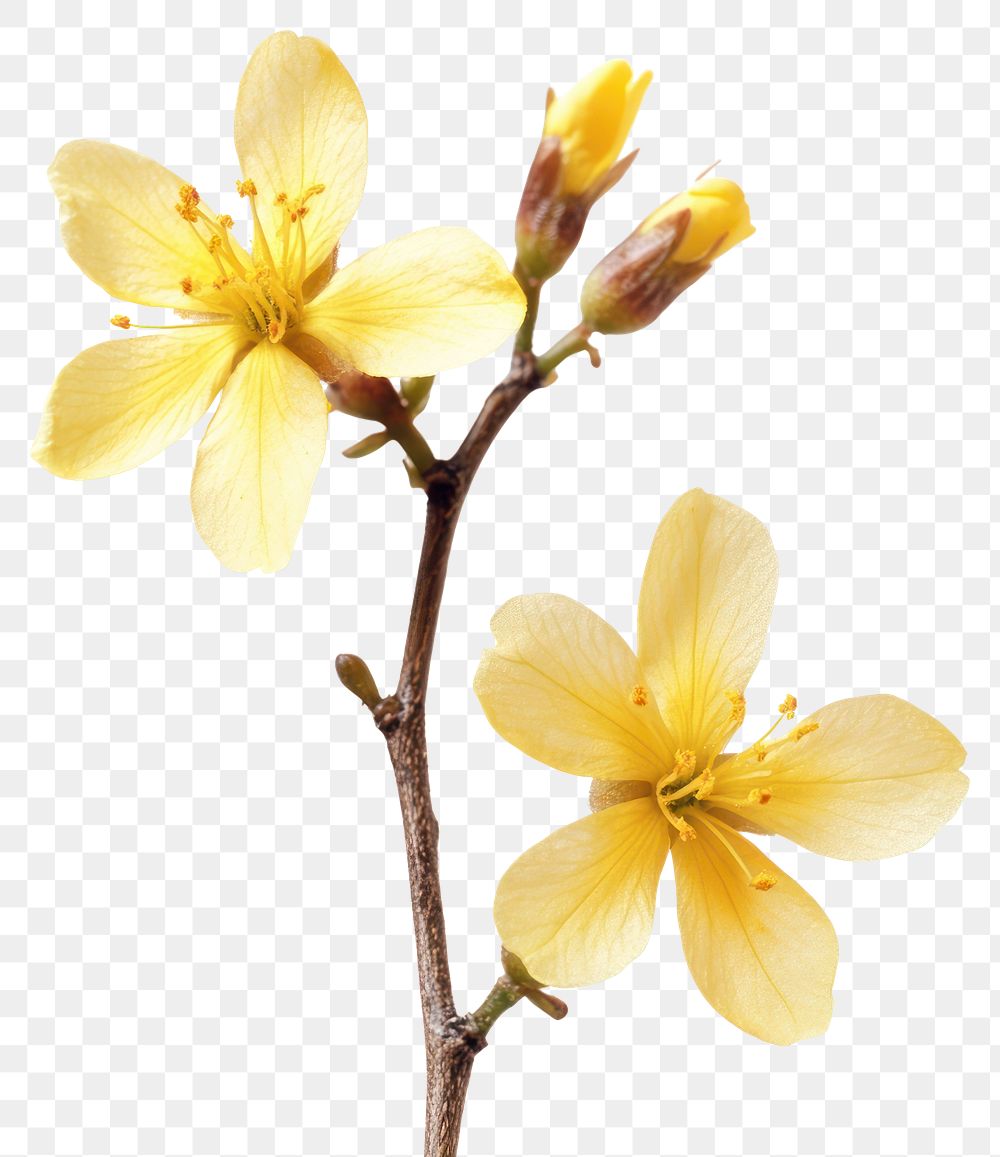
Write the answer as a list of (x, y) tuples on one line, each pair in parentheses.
[(860, 779), (262, 323)]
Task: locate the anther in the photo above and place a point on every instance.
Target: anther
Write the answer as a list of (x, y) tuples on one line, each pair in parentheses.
[(281, 199), (764, 881), (187, 206), (639, 696), (759, 795), (805, 729), (121, 321), (273, 330), (739, 705), (214, 243), (225, 220), (246, 188), (684, 761), (788, 706), (187, 285)]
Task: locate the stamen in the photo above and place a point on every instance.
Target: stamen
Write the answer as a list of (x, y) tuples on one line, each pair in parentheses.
[(187, 206), (739, 703), (121, 321), (246, 188), (695, 788), (805, 729), (787, 706), (762, 881), (684, 761), (187, 285), (225, 220), (684, 829), (639, 696)]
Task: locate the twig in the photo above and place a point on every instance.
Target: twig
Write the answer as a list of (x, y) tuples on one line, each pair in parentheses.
[(452, 1041)]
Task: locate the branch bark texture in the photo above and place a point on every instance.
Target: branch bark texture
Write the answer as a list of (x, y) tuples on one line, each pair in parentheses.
[(452, 1040)]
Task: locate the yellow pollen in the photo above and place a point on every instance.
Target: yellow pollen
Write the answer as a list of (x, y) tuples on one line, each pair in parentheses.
[(281, 199), (684, 761), (787, 706), (805, 729), (225, 220), (246, 188), (121, 321), (764, 881), (707, 787), (187, 285), (684, 829), (760, 795), (739, 705), (214, 243), (187, 206), (639, 696)]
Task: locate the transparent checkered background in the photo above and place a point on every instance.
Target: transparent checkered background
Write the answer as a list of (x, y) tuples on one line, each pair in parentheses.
[(205, 935)]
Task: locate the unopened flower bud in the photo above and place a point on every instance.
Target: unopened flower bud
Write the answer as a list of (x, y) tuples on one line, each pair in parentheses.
[(361, 396), (576, 163), (669, 251), (353, 672)]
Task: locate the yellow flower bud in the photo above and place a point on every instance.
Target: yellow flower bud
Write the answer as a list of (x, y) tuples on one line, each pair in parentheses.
[(666, 254), (592, 121), (720, 219)]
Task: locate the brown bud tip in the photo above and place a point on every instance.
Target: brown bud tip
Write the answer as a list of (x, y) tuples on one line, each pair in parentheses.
[(353, 672), (360, 396), (549, 1004)]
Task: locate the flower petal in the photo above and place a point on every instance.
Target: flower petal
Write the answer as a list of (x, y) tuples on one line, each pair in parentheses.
[(426, 302), (121, 402), (578, 907), (877, 778), (120, 225), (258, 460), (704, 607), (300, 122), (564, 687), (763, 959)]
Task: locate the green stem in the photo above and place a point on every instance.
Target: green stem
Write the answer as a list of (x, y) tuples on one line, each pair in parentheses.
[(532, 291), (414, 444), (503, 996), (574, 342)]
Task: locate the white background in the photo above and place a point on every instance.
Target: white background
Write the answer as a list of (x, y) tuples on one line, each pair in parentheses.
[(205, 933)]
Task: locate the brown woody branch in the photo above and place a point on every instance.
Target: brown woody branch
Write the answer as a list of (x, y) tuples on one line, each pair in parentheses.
[(452, 1041)]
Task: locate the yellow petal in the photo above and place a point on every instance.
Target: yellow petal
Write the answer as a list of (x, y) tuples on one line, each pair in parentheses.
[(564, 687), (704, 607), (578, 907), (720, 219), (426, 302), (877, 778), (120, 403), (300, 122), (764, 959), (593, 119), (119, 224), (258, 460)]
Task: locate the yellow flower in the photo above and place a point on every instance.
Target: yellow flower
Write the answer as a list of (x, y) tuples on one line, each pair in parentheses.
[(720, 219), (426, 302), (592, 121), (860, 779)]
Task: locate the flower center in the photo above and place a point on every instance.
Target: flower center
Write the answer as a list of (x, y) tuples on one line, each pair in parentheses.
[(686, 788), (267, 293)]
